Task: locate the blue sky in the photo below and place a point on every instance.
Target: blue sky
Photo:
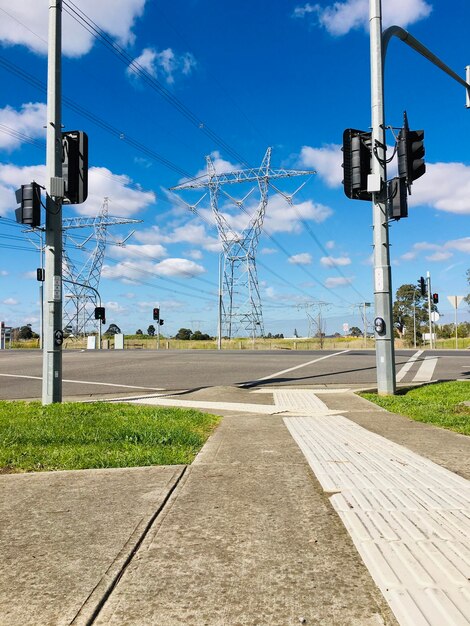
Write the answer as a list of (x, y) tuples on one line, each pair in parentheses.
[(241, 76)]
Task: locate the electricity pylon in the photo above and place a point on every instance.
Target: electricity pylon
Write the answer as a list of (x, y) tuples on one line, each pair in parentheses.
[(82, 283), (240, 302)]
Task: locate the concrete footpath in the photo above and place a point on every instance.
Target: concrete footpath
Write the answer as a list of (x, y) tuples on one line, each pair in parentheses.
[(244, 536)]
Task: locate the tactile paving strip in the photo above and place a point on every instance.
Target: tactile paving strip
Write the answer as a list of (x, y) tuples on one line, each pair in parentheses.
[(408, 517)]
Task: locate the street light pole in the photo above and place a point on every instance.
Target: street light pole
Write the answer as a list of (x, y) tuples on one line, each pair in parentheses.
[(53, 336), (385, 351)]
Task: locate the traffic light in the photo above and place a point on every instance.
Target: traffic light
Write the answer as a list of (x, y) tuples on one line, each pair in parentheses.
[(422, 286), (156, 314), (40, 274), (100, 314), (161, 322), (75, 165), (411, 152), (435, 298), (29, 199), (356, 163), (397, 200)]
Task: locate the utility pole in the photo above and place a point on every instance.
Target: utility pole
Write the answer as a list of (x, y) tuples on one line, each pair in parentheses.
[(428, 283), (385, 350), (53, 334)]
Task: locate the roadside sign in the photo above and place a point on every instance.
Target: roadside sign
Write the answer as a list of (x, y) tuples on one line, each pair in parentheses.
[(455, 300), (435, 316)]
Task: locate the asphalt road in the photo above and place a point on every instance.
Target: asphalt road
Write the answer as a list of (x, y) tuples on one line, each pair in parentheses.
[(108, 373)]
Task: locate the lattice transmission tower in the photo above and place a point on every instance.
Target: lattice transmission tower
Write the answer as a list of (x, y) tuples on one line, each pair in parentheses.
[(240, 306), (80, 283)]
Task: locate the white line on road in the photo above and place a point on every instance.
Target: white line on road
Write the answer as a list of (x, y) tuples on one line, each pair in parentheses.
[(296, 367), (87, 382), (426, 370), (406, 368)]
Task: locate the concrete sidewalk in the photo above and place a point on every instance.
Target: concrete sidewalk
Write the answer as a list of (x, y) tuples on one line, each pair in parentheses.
[(244, 536)]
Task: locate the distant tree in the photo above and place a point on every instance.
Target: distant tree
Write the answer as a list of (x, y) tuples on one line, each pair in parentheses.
[(198, 336), (184, 333), (355, 332), (408, 303), (113, 330), (25, 332), (151, 330), (139, 332)]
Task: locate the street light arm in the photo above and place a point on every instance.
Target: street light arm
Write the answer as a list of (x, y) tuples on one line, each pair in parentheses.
[(406, 37), (74, 282)]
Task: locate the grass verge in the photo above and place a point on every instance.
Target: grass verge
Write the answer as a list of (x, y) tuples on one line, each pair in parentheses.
[(78, 436), (439, 404)]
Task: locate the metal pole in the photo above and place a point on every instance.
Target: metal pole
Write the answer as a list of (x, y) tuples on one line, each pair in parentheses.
[(428, 281), (41, 292), (414, 322), (219, 316), (385, 351), (158, 334), (456, 335), (52, 346)]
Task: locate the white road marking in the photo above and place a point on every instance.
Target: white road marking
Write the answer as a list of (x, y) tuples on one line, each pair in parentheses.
[(87, 382), (296, 367), (406, 368), (426, 370)]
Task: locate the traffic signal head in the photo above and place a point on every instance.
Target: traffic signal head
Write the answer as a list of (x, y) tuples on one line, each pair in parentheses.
[(75, 165), (100, 313), (435, 298), (411, 152), (422, 286), (29, 199), (397, 200), (161, 322), (356, 163), (156, 314)]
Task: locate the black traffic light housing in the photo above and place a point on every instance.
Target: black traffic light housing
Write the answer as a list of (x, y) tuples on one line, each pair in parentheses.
[(100, 314), (29, 199), (161, 322), (75, 165), (356, 163), (435, 298), (422, 286), (397, 199), (156, 314), (411, 152)]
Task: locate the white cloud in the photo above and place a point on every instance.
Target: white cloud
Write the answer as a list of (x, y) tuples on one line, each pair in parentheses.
[(191, 233), (330, 245), (29, 120), (327, 161), (133, 251), (280, 217), (444, 186), (115, 307), (195, 254), (26, 23), (131, 271), (341, 17), (3, 273), (329, 261), (462, 245), (165, 64), (268, 251), (124, 201), (304, 258), (337, 281), (439, 256), (183, 268), (10, 302)]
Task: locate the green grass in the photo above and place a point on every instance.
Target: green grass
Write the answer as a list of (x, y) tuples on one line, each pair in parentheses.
[(96, 435), (439, 404)]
